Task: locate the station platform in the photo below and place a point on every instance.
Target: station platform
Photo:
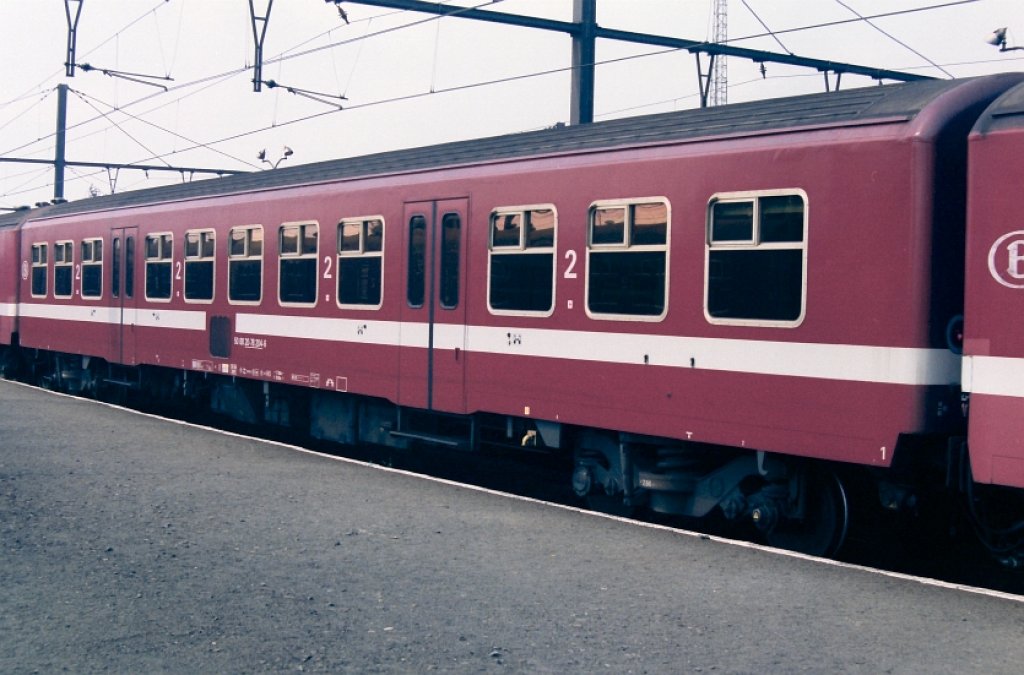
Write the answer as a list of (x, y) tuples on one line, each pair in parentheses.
[(130, 543)]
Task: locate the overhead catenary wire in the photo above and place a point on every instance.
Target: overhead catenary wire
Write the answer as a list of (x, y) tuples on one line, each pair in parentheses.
[(290, 54), (39, 101), (355, 62), (286, 55), (424, 94), (31, 91), (765, 26), (21, 188), (869, 22), (411, 97), (210, 81), (217, 79), (196, 144), (117, 126)]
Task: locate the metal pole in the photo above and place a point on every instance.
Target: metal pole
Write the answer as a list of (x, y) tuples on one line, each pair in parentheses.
[(59, 159), (259, 34), (584, 54), (69, 63)]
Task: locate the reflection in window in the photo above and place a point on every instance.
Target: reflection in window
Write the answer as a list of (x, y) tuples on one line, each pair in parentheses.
[(245, 264), (63, 269), (39, 261), (608, 226), (297, 264), (360, 269), (627, 259), (756, 252), (522, 258), (200, 249), (92, 268)]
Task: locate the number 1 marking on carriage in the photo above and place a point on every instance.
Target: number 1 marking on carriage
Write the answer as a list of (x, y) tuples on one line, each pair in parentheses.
[(883, 453)]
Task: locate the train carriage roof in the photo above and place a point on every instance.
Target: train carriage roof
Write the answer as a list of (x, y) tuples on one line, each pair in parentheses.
[(14, 218), (855, 106), (1007, 112)]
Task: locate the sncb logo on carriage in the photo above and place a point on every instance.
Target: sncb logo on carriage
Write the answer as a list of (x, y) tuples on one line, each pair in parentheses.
[(1006, 259)]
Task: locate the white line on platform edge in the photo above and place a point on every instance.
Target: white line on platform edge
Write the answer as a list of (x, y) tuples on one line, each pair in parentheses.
[(925, 581)]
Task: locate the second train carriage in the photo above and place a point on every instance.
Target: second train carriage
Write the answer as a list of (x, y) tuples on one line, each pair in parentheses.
[(993, 363), (691, 302), (10, 231)]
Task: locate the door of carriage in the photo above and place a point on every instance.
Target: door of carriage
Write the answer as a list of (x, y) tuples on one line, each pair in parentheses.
[(432, 359), (123, 292)]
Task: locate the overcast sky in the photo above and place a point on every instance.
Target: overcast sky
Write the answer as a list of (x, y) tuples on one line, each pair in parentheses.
[(406, 76)]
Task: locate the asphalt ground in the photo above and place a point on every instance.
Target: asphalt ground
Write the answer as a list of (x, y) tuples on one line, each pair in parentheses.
[(134, 544)]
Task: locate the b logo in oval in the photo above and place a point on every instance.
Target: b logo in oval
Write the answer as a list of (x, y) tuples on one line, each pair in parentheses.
[(1006, 259)]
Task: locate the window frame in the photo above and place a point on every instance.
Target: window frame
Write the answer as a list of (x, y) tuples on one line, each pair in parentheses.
[(247, 256), (523, 249), (625, 247), (446, 261), (755, 244), (147, 261), (299, 255), (65, 245), (212, 259), (362, 253), (37, 250), (416, 260), (87, 264)]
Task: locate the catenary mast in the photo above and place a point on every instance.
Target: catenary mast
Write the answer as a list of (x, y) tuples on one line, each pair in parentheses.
[(720, 35)]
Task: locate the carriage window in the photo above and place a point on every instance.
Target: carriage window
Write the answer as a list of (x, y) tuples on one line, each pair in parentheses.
[(245, 264), (63, 268), (297, 264), (39, 270), (360, 271), (451, 234), (159, 256), (115, 267), (608, 226), (627, 254), (92, 268), (415, 291), (200, 249), (522, 257), (756, 253), (129, 267)]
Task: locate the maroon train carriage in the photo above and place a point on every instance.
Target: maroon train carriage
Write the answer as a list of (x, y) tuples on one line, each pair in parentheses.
[(9, 270), (993, 364), (714, 310)]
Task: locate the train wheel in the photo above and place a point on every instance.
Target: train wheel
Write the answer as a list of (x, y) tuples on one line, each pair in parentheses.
[(823, 529), (597, 477)]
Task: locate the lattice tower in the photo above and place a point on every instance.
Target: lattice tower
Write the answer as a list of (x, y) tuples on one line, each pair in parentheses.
[(719, 92)]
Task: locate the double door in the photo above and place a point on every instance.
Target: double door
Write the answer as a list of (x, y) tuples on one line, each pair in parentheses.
[(123, 293), (432, 358)]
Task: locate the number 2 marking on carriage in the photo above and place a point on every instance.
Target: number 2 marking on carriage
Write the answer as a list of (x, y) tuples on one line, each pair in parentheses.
[(570, 270)]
